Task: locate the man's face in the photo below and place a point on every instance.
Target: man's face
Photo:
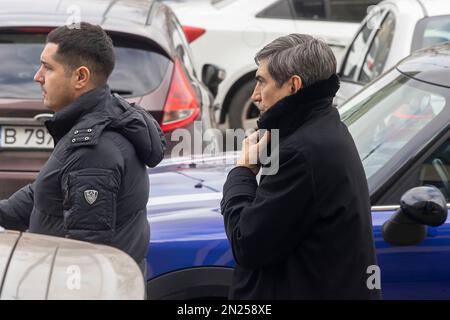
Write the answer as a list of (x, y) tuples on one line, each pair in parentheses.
[(267, 92), (58, 88)]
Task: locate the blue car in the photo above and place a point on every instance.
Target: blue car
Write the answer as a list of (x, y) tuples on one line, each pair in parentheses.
[(400, 124)]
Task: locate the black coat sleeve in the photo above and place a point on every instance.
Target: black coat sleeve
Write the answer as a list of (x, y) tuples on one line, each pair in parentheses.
[(15, 212), (265, 223)]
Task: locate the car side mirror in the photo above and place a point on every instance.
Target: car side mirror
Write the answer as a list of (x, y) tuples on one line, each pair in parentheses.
[(419, 207), (212, 76)]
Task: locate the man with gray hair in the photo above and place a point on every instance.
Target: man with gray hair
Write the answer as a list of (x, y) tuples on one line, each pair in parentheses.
[(306, 231)]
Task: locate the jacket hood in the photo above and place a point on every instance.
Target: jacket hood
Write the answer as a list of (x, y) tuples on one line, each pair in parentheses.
[(98, 110), (292, 111), (142, 130)]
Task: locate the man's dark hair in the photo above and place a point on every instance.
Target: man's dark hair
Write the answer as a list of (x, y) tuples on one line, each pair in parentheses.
[(87, 45)]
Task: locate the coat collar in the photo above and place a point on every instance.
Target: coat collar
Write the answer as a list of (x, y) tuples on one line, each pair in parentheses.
[(292, 111), (93, 101)]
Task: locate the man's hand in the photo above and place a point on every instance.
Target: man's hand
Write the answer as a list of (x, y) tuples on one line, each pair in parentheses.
[(252, 150)]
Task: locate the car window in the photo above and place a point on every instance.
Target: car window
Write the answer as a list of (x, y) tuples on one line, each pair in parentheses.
[(335, 10), (182, 49), (309, 9), (435, 170), (138, 69), (431, 31), (23, 56), (219, 4), (383, 122), (356, 53), (281, 9), (350, 10), (379, 50)]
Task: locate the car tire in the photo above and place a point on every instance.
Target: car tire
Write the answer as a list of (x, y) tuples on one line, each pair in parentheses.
[(190, 284), (243, 112)]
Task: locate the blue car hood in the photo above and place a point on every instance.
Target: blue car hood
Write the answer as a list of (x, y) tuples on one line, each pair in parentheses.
[(184, 200)]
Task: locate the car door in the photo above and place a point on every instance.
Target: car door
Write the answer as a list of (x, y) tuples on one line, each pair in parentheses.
[(368, 53), (417, 271), (400, 126)]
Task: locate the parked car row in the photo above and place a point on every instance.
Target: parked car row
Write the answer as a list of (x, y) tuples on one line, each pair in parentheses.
[(229, 33), (389, 32)]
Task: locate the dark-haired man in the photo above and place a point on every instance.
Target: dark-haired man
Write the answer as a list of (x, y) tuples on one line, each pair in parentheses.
[(94, 187), (304, 232)]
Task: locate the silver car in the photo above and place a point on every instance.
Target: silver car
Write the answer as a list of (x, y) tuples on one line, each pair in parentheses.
[(38, 267)]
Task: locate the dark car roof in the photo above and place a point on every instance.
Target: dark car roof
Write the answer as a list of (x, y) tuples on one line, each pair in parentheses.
[(145, 18), (430, 65)]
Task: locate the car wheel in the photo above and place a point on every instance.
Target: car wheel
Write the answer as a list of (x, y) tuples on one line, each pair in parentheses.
[(243, 113), (189, 284)]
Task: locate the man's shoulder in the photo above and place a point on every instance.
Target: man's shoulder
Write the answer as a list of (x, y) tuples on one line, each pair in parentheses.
[(110, 148), (318, 133), (115, 139), (292, 154)]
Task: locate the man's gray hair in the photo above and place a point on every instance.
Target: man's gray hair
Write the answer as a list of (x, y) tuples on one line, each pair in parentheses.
[(298, 54)]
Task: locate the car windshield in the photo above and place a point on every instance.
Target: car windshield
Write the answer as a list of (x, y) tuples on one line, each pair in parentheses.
[(386, 117), (430, 31), (137, 72)]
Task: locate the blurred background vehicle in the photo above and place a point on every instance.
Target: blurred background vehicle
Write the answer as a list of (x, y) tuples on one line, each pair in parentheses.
[(401, 127), (388, 34), (230, 32), (154, 68), (38, 267)]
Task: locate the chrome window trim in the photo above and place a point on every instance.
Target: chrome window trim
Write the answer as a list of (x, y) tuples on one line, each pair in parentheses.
[(392, 207), (370, 42)]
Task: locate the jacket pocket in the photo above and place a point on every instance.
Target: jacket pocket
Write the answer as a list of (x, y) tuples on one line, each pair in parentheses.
[(90, 197)]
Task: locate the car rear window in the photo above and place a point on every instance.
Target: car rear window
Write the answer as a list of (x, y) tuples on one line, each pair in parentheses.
[(139, 69)]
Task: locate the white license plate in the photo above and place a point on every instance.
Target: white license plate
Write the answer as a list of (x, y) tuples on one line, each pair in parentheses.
[(25, 137)]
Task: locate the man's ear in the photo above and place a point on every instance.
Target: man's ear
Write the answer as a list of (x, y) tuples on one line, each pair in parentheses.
[(296, 84), (83, 77)]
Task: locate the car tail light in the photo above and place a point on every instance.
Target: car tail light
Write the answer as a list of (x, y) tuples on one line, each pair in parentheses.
[(193, 33), (181, 106)]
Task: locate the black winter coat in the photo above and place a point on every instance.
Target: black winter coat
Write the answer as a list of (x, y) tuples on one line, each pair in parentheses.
[(305, 232), (94, 187)]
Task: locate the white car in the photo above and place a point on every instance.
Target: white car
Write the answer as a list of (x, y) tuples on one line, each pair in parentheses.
[(40, 267), (229, 33), (389, 34)]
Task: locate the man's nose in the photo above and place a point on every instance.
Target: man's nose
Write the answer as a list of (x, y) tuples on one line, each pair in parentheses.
[(38, 76), (256, 95)]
